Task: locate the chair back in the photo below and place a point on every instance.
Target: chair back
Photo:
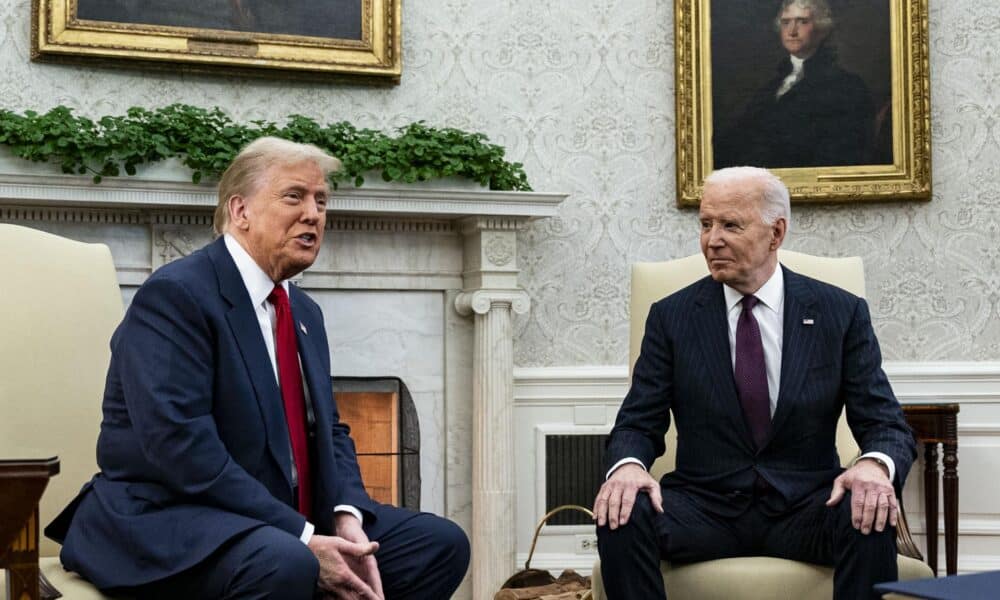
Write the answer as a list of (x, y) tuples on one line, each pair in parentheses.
[(654, 280), (59, 304)]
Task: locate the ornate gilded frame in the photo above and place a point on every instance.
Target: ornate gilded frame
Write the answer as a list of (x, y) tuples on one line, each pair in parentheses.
[(907, 178), (58, 35)]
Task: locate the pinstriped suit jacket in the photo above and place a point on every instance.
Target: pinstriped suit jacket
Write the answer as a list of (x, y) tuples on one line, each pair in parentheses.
[(684, 367)]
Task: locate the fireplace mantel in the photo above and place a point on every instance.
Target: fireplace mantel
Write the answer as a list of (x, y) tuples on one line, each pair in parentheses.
[(430, 267)]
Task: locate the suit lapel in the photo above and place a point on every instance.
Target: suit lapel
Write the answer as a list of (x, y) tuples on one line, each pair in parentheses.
[(242, 319), (711, 334), (798, 342), (316, 375)]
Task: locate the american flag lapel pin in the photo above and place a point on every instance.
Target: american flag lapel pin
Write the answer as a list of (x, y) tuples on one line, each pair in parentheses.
[(302, 326), (808, 322)]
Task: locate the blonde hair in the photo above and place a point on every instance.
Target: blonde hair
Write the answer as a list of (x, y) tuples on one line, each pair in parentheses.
[(244, 174)]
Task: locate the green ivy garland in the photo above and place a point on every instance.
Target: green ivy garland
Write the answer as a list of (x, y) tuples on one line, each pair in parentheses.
[(206, 140)]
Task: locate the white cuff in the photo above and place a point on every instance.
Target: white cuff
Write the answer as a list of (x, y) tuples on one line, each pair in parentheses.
[(626, 460), (347, 508), (885, 460), (307, 532)]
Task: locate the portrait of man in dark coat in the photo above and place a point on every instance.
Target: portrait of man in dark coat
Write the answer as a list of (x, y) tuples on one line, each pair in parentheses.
[(812, 112)]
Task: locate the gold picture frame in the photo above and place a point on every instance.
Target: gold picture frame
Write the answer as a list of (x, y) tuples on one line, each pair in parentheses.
[(738, 121), (305, 38)]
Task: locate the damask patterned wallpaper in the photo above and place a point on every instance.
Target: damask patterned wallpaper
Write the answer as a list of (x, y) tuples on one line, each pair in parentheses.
[(582, 93)]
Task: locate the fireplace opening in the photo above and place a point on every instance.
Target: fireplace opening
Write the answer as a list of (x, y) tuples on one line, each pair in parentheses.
[(386, 434)]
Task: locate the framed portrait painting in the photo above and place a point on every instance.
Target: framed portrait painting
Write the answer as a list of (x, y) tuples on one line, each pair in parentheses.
[(832, 95), (309, 37)]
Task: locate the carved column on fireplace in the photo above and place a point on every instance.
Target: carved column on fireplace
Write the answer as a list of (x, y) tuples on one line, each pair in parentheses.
[(490, 294)]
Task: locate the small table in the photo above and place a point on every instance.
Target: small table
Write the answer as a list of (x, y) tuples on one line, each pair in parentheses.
[(935, 424), (22, 482)]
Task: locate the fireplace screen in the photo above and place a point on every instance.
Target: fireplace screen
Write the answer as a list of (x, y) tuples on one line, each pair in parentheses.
[(383, 422)]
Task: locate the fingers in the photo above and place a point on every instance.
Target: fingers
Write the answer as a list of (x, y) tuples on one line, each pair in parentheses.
[(893, 510), (837, 493), (656, 497), (869, 508), (356, 549), (359, 588), (857, 507), (625, 506), (881, 512), (616, 498)]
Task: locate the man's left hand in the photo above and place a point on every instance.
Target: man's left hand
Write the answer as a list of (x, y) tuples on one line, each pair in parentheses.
[(366, 567), (873, 499)]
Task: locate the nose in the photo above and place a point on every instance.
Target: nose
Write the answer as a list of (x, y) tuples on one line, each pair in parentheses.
[(715, 237), (310, 211)]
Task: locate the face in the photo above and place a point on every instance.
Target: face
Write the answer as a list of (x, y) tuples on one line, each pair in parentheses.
[(281, 222), (740, 249), (799, 34)]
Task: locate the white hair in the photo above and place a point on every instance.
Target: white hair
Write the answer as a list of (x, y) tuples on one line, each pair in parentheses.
[(821, 14), (774, 202)]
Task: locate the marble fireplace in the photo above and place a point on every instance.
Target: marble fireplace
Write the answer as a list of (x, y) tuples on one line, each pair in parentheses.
[(416, 282)]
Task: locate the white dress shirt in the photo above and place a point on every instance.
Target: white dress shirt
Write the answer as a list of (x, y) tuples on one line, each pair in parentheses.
[(259, 286), (798, 70), (769, 312)]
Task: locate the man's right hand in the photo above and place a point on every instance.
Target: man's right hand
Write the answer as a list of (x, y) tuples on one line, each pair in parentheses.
[(616, 497), (335, 574)]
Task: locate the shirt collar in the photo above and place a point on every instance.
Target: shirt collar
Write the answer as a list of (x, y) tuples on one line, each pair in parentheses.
[(257, 282), (771, 294), (797, 63)]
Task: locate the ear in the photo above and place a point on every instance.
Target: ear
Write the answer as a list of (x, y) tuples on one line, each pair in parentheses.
[(778, 231), (238, 212)]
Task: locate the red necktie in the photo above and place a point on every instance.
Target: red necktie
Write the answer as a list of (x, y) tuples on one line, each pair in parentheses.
[(751, 374), (292, 394)]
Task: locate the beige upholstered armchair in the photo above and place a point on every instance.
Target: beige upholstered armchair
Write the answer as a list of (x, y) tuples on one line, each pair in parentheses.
[(757, 577), (59, 303)]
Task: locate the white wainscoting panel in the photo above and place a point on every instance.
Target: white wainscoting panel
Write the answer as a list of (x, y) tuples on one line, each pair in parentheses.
[(585, 400)]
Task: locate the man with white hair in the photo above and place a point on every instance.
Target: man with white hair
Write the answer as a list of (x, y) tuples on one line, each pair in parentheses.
[(225, 470), (755, 363), (812, 113)]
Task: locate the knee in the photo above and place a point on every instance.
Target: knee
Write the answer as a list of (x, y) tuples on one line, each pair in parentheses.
[(640, 521), (286, 568), (452, 544), (852, 536)]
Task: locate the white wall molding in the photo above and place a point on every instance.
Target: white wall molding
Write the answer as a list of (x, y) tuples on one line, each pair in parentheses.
[(913, 382)]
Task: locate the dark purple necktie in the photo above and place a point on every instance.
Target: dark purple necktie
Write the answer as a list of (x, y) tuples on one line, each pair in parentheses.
[(751, 374)]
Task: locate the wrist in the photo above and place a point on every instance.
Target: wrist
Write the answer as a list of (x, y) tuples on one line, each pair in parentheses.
[(878, 461)]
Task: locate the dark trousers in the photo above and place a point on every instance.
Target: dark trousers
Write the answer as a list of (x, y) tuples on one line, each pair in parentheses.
[(686, 532), (421, 557)]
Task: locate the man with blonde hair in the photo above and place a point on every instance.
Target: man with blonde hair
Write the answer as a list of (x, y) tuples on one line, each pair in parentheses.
[(755, 363), (225, 472)]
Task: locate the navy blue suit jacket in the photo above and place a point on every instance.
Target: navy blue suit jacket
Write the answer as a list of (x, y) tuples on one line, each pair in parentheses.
[(194, 446), (685, 367)]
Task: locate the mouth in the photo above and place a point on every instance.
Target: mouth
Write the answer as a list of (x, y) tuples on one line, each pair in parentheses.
[(306, 239)]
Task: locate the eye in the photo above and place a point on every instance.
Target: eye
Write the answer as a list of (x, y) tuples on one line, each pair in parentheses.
[(731, 226), (706, 225)]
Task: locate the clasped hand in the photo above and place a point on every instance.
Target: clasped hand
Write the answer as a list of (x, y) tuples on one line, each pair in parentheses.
[(616, 497), (347, 565)]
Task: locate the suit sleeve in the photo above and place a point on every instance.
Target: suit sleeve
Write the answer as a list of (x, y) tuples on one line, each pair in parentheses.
[(873, 413), (645, 413), (167, 353), (349, 488)]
